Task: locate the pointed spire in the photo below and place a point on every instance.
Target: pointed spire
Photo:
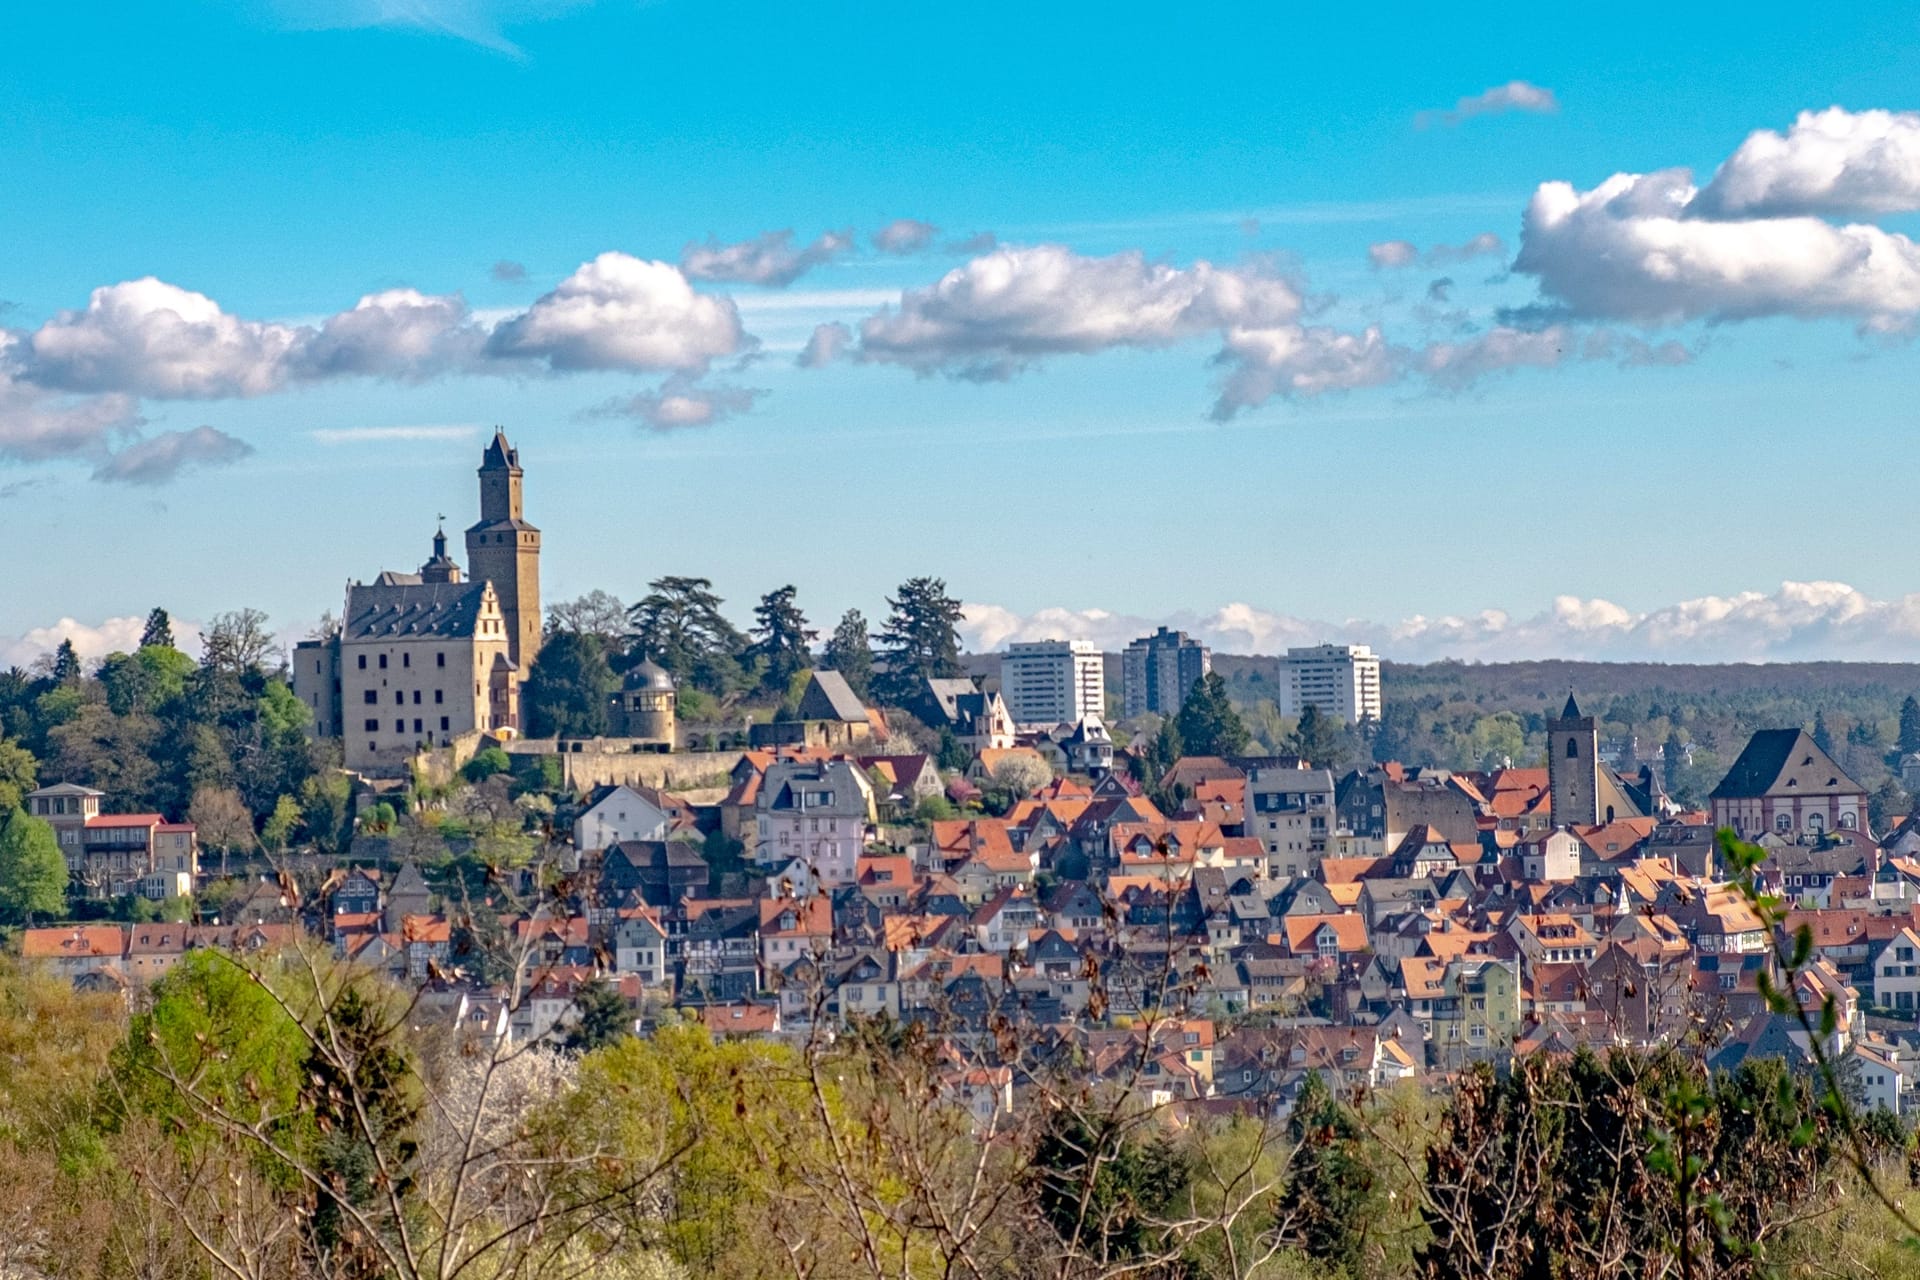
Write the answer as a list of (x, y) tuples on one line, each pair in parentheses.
[(1572, 711), (499, 453)]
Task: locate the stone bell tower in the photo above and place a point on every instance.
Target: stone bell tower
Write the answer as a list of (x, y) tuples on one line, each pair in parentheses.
[(505, 550)]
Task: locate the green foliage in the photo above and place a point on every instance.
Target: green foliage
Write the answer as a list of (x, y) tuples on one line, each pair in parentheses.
[(603, 1017), (485, 764), (33, 875), (326, 808), (1332, 1183), (1102, 1182), (679, 625), (782, 643), (934, 808), (158, 633), (19, 773), (920, 640), (1207, 724), (277, 832), (850, 652), (569, 688), (357, 1088), (1319, 739)]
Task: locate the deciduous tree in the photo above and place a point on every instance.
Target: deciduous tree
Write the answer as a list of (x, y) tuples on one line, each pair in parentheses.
[(33, 875)]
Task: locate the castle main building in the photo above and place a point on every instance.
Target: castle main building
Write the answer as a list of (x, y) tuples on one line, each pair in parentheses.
[(421, 658)]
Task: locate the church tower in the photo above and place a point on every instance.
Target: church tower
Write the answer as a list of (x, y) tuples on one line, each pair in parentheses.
[(505, 550), (1573, 767)]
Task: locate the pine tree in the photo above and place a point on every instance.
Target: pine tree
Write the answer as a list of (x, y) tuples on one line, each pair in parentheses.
[(158, 633), (850, 652), (920, 641), (1910, 725), (1207, 724), (66, 663), (1822, 736), (782, 640)]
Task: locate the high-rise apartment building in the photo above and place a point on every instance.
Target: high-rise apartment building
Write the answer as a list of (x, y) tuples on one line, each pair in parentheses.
[(1053, 681), (1157, 670), (1343, 680)]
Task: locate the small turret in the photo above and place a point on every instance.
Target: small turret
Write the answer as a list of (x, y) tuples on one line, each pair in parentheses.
[(441, 568)]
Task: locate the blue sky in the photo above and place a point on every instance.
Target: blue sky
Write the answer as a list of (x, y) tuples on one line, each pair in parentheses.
[(1206, 372)]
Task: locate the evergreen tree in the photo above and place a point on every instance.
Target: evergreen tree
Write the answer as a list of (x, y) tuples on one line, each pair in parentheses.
[(1318, 739), (850, 652), (1332, 1182), (1207, 724), (782, 640), (679, 625), (158, 633), (604, 1018), (66, 664), (568, 687), (1822, 736), (33, 875), (1910, 725), (920, 640)]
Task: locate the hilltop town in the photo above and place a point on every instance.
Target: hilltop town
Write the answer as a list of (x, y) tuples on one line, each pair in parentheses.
[(514, 812)]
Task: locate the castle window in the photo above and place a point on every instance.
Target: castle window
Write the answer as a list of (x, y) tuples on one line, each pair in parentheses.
[(416, 726), (443, 724), (399, 698), (439, 696), (373, 726), (399, 726), (406, 659), (383, 662), (363, 662), (1573, 748), (440, 659), (416, 697), (372, 696)]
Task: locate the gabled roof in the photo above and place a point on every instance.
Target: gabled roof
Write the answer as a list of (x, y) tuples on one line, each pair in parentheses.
[(828, 696), (1783, 762), (432, 610)]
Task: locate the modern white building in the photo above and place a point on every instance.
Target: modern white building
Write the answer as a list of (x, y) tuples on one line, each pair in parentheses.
[(1054, 682), (1343, 680)]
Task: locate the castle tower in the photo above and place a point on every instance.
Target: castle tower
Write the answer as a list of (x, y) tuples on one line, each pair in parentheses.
[(505, 550), (442, 568), (1573, 767)]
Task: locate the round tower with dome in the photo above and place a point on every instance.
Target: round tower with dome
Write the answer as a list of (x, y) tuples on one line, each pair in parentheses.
[(646, 705)]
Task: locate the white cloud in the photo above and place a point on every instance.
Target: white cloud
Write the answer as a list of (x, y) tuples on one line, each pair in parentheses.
[(37, 425), (1514, 95), (1801, 621), (480, 22), (114, 635), (507, 271), (1831, 162), (620, 312), (824, 345), (398, 333), (999, 313), (159, 459), (150, 338), (1389, 254), (374, 435), (1630, 249), (1393, 253), (683, 402), (905, 235), (1297, 361), (768, 259)]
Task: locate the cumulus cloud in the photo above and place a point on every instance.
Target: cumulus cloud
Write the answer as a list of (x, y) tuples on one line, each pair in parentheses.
[(149, 338), (1297, 361), (507, 271), (1632, 249), (159, 459), (621, 312), (978, 242), (1832, 162), (1801, 621), (905, 235), (91, 642), (824, 345), (399, 333), (683, 402), (1514, 95), (768, 259), (1000, 312)]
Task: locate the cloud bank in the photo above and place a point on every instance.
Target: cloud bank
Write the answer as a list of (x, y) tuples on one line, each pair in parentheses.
[(1801, 621)]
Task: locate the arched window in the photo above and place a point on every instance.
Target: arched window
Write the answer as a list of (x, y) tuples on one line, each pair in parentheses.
[(1573, 748), (1783, 821), (1847, 821)]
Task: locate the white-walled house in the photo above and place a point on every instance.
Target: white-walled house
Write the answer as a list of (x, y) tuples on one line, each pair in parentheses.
[(1896, 972), (818, 811), (618, 814)]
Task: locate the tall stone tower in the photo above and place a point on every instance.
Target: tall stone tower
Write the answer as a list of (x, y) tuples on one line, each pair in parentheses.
[(1573, 767), (505, 550)]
